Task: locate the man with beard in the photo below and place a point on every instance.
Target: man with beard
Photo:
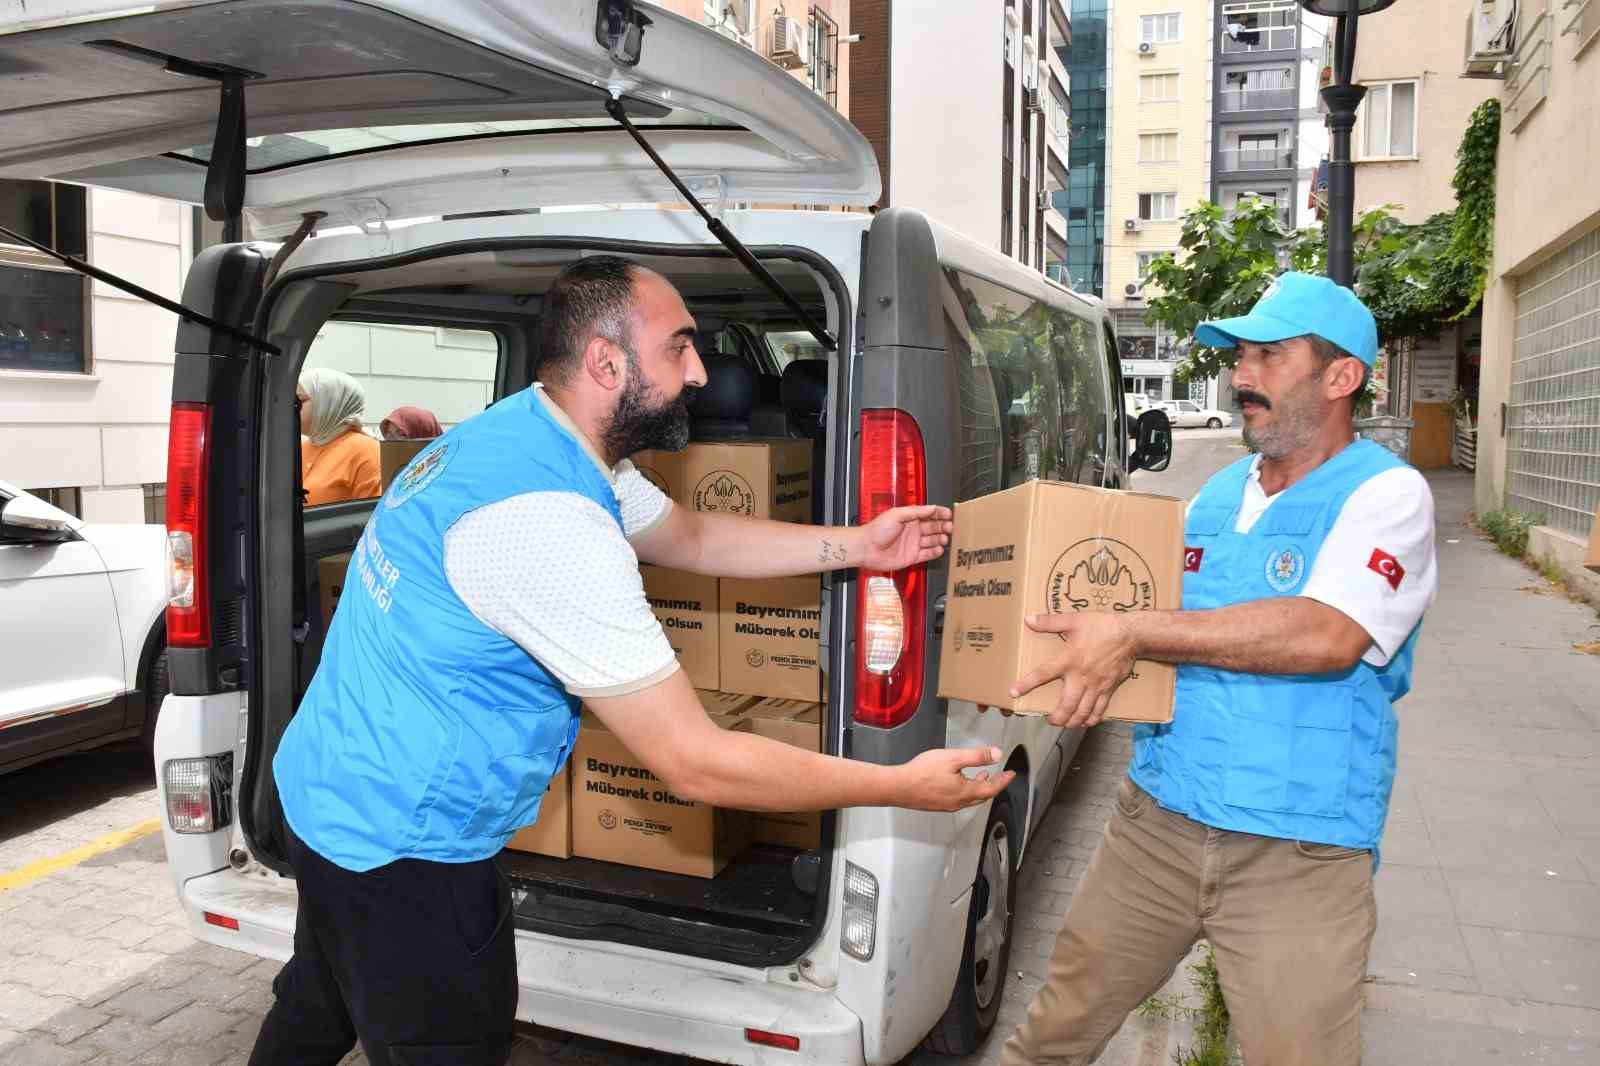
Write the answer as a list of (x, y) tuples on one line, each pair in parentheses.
[(495, 586), (1253, 818)]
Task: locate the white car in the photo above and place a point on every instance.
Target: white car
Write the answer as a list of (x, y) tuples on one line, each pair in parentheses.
[(1187, 414), (82, 630)]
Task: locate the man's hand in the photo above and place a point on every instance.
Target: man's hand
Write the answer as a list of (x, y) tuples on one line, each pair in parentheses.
[(1097, 658), (904, 536), (933, 781)]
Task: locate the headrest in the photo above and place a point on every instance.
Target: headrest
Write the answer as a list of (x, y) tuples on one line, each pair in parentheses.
[(730, 389), (804, 391)]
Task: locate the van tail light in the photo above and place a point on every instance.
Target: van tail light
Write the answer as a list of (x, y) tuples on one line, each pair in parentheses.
[(221, 921), (891, 609), (858, 932), (199, 793), (188, 473)]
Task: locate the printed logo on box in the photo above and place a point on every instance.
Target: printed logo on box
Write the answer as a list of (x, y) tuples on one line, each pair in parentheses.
[(608, 819), (1100, 574), (725, 492), (756, 658)]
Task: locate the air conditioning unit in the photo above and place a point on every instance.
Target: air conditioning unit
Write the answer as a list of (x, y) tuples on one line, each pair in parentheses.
[(1147, 49), (1032, 100), (1132, 225), (1044, 200), (1131, 290), (790, 44), (1491, 38)]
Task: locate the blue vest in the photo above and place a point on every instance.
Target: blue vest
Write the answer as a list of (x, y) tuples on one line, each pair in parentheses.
[(1307, 757), (426, 734)]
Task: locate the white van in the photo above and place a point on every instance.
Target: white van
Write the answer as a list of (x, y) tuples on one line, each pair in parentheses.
[(922, 366)]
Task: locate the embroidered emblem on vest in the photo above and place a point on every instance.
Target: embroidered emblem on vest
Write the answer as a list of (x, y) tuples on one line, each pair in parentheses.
[(1285, 568), (419, 474)]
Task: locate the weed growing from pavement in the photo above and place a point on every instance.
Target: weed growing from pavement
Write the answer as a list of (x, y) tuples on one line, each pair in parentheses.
[(1508, 530), (1210, 1018)]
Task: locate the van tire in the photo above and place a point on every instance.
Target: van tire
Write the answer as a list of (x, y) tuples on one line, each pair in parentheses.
[(981, 981), (157, 685)]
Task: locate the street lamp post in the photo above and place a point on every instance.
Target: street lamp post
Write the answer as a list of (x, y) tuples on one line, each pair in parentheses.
[(1342, 99)]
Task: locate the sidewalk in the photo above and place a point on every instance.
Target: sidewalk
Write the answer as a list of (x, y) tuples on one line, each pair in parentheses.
[(1488, 945)]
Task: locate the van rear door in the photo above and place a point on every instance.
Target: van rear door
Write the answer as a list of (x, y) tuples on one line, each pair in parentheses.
[(371, 111)]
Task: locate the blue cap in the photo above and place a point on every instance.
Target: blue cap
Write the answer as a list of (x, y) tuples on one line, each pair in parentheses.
[(1295, 305)]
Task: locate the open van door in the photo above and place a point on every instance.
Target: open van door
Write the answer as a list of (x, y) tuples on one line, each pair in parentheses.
[(394, 109)]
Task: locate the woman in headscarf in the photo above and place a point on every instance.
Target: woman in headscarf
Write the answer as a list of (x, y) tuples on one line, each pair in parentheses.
[(410, 423), (337, 460)]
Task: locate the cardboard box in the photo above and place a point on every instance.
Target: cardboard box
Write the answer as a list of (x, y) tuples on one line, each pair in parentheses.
[(551, 833), (664, 470), (686, 606), (771, 634), (1048, 546), (393, 455), (724, 704), (1591, 558), (754, 478), (330, 581), (797, 723), (622, 813)]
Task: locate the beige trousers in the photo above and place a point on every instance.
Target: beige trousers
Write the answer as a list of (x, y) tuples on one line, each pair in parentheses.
[(1290, 924)]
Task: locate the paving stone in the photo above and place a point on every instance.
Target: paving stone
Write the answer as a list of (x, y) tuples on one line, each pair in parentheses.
[(127, 1038), (71, 1023), (23, 1008), (185, 1055), (1540, 967), (148, 1005), (1551, 905), (195, 1024), (77, 980), (42, 1051), (223, 960)]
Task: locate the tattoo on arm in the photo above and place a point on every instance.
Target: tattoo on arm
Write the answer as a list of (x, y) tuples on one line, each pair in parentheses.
[(831, 553)]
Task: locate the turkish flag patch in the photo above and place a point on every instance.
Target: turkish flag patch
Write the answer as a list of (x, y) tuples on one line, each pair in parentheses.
[(1191, 559), (1387, 567)]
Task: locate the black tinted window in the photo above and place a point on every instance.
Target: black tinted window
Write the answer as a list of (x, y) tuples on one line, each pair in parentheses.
[(1085, 397)]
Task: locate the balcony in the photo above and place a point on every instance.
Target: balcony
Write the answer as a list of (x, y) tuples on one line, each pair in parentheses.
[(1265, 39), (1250, 159), (1236, 101)]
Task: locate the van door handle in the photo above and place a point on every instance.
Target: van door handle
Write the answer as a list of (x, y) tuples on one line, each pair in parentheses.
[(938, 617)]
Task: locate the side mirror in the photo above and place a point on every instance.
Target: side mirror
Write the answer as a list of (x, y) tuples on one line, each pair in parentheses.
[(1152, 449), (30, 520)]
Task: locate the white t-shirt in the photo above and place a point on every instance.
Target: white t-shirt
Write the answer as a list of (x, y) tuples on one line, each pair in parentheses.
[(551, 571), (1377, 563)]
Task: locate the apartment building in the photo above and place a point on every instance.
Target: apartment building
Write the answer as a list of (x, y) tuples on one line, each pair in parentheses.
[(1159, 67), (1083, 200), (973, 134), (807, 39), (1539, 401)]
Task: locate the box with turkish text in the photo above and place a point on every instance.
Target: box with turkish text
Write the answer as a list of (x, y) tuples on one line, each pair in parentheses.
[(771, 637), (623, 813), (753, 478), (723, 704), (1044, 547), (686, 606), (1591, 558)]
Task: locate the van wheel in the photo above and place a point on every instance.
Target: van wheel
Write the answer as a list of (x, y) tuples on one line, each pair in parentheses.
[(975, 1003), (156, 687), (1215, 423)]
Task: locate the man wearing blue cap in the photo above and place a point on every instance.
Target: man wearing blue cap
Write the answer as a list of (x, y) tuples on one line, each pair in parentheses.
[(1253, 818)]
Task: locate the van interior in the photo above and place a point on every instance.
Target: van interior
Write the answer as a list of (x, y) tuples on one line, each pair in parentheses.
[(767, 377)]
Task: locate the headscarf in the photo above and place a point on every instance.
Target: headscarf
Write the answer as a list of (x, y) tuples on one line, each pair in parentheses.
[(337, 402), (410, 423)]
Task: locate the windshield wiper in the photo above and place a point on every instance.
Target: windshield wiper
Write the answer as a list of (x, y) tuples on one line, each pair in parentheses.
[(615, 109)]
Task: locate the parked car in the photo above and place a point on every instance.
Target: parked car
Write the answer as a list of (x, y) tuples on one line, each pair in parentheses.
[(973, 371), (1186, 414), (82, 629)]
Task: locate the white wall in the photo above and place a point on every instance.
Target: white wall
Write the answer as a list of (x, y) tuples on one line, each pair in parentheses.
[(945, 92), (105, 432), (449, 372)]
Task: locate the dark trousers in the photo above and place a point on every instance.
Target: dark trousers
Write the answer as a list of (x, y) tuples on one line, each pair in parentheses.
[(415, 959)]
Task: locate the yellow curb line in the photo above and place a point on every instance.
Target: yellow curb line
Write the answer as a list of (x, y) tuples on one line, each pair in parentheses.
[(44, 867)]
